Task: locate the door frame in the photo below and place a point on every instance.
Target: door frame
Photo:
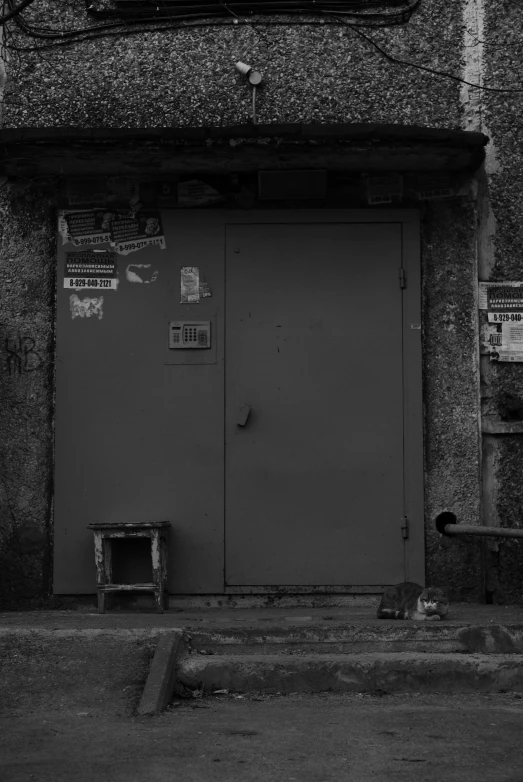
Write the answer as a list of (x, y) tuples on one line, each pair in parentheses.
[(204, 567), (413, 453)]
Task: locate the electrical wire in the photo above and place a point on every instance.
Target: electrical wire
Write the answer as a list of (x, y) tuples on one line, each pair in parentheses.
[(402, 9), (425, 68), (204, 12), (15, 11), (237, 8)]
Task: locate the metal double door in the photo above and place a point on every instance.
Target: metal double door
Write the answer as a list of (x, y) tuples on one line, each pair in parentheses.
[(314, 462)]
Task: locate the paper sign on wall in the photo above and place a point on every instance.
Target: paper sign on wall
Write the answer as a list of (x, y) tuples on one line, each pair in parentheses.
[(127, 231), (134, 231), (63, 228), (384, 189), (88, 227), (87, 307), (504, 304), (196, 193), (435, 185), (511, 348), (205, 289), (189, 285), (512, 337), (505, 317), (141, 272), (500, 296), (503, 298), (90, 269)]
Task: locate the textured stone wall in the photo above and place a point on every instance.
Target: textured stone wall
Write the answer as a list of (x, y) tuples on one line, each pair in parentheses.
[(3, 57), (502, 386), (185, 77), (27, 290), (450, 370)]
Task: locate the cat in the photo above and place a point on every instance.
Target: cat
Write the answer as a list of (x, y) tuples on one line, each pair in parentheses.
[(412, 601)]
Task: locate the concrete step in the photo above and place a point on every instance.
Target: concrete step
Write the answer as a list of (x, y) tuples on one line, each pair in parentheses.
[(351, 653), (370, 672), (268, 638)]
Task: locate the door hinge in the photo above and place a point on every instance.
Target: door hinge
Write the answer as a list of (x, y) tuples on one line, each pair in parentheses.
[(405, 528), (402, 277)]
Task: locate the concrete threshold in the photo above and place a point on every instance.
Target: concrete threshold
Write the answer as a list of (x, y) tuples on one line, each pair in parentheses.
[(372, 672), (191, 618)]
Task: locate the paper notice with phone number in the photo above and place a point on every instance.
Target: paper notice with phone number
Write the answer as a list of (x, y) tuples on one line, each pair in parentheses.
[(90, 269), (126, 231), (131, 232), (88, 227)]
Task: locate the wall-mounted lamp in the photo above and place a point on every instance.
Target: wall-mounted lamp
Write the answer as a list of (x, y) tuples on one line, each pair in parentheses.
[(255, 78)]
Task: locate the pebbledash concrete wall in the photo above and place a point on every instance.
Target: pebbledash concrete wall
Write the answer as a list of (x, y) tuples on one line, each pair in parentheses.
[(27, 271), (312, 73), (502, 259)]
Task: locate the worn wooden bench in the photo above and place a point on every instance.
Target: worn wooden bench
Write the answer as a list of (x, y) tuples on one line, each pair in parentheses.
[(105, 533)]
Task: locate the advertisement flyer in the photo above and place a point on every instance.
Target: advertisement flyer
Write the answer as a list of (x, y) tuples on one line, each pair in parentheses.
[(127, 231), (90, 269), (512, 337), (511, 348), (88, 227), (501, 296), (189, 285), (504, 328), (132, 231)]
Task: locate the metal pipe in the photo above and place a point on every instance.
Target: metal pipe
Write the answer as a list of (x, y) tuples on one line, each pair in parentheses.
[(471, 529)]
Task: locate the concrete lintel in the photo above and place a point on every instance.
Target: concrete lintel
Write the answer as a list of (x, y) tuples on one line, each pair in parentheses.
[(346, 147), (344, 131)]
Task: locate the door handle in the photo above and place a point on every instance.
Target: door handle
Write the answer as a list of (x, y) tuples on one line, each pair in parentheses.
[(243, 415)]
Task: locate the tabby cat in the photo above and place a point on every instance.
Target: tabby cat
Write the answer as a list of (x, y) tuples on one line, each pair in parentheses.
[(411, 601)]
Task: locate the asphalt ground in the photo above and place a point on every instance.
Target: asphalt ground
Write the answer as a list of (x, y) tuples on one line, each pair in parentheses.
[(70, 684), (302, 738)]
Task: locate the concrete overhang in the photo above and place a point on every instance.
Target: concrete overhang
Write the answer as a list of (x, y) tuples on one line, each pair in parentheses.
[(70, 151)]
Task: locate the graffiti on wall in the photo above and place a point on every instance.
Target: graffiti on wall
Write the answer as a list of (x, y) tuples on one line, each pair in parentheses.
[(21, 355)]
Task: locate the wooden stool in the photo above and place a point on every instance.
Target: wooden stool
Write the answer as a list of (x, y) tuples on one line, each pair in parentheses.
[(105, 533)]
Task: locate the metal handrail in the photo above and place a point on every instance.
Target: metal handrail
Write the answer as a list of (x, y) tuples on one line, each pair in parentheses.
[(446, 524)]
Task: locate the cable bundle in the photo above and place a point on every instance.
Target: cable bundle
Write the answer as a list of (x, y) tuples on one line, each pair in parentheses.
[(158, 11), (364, 11)]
